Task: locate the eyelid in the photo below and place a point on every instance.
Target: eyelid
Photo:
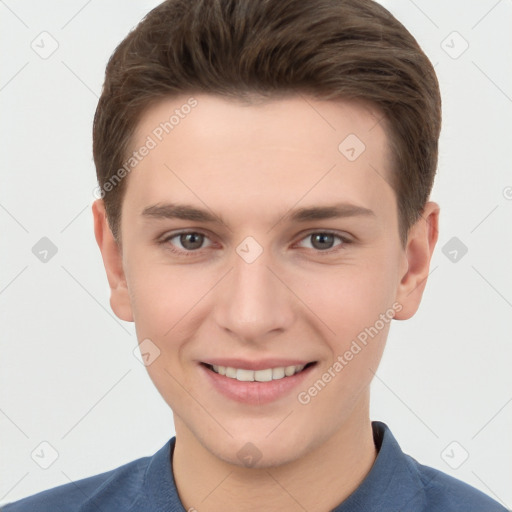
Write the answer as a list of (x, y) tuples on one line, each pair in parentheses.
[(345, 239), (173, 234), (341, 234)]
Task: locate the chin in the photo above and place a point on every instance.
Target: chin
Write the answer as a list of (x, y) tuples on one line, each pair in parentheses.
[(251, 457), (258, 451)]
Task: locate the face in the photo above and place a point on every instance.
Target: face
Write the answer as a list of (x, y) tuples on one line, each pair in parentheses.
[(259, 241)]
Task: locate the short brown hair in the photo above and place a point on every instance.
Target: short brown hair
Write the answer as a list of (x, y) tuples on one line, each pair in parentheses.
[(346, 49)]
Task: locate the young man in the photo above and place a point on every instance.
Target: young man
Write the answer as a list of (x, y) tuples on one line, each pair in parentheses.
[(265, 168)]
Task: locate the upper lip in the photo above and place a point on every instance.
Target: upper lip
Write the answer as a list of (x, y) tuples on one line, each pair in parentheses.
[(261, 364)]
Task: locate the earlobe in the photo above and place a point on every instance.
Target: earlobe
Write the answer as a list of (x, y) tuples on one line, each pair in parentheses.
[(421, 241), (113, 262)]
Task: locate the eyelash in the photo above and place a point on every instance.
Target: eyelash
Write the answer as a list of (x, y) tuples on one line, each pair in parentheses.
[(190, 253)]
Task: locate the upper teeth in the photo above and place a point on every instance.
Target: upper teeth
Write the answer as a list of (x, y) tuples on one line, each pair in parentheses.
[(257, 375)]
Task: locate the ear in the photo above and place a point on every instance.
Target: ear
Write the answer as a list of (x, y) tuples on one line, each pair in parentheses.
[(421, 241), (113, 261)]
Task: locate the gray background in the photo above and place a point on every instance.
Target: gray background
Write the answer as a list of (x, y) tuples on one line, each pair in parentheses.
[(68, 376)]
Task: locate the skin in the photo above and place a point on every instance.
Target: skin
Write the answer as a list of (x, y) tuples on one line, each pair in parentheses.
[(251, 165)]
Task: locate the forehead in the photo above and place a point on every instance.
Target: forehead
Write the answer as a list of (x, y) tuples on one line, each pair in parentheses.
[(260, 155), (277, 119)]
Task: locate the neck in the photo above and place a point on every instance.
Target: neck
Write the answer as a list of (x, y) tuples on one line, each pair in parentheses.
[(317, 482)]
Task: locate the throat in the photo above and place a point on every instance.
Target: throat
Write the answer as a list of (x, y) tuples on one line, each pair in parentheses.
[(209, 477)]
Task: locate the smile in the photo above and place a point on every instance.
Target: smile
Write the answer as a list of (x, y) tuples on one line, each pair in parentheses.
[(256, 382), (265, 375)]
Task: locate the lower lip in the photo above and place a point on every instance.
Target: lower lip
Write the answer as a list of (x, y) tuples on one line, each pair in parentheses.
[(256, 393)]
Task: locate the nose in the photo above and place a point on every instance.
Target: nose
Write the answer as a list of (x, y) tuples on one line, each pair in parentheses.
[(254, 304)]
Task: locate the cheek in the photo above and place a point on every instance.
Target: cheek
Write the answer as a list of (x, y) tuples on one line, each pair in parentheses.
[(350, 302), (161, 294), (358, 306), (165, 305), (349, 298), (169, 305)]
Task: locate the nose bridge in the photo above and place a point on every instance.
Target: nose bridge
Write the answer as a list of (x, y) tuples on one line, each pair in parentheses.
[(253, 302)]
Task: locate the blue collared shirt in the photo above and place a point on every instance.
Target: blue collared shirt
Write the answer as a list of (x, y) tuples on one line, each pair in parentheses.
[(396, 483)]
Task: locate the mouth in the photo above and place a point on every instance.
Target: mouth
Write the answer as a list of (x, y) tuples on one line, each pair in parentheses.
[(256, 387), (263, 375)]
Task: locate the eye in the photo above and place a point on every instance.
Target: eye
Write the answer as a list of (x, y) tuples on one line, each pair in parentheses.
[(190, 241), (324, 241)]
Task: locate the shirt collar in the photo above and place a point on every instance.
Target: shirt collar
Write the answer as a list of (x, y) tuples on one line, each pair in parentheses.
[(393, 482), (159, 483)]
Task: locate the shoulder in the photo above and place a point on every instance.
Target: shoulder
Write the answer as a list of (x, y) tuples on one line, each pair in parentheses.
[(442, 492), (397, 481), (113, 490)]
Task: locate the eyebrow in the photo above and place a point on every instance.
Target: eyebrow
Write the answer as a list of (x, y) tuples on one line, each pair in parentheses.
[(188, 212)]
